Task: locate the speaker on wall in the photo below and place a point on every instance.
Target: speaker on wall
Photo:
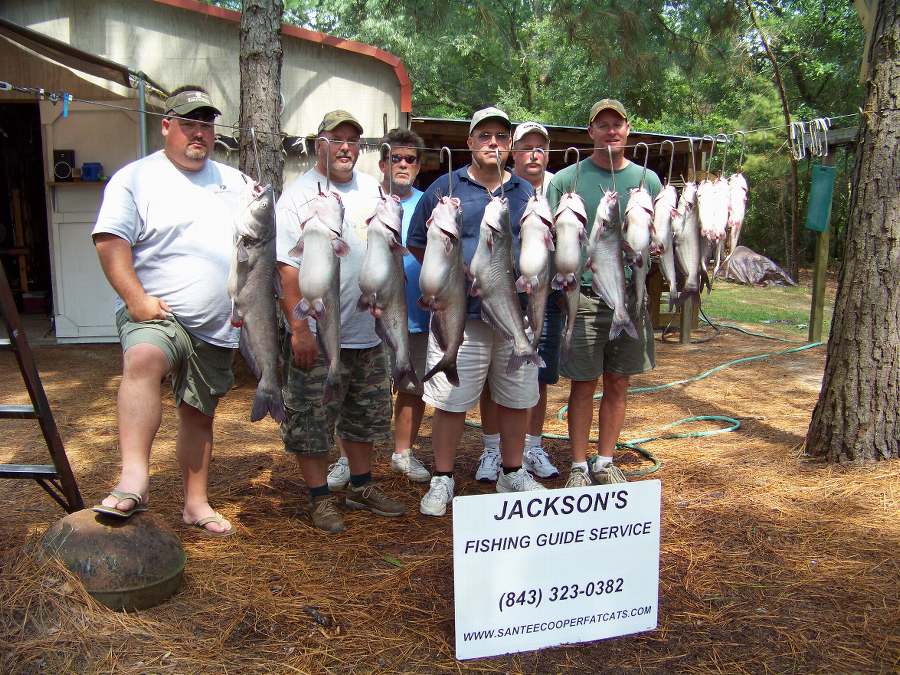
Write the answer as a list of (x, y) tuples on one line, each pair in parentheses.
[(63, 163)]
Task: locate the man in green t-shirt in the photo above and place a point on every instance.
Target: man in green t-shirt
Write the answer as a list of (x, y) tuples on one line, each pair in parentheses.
[(593, 354)]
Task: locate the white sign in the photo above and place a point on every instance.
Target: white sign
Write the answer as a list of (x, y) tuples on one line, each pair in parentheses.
[(538, 569)]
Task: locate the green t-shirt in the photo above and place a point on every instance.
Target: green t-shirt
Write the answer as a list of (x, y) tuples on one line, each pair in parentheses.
[(592, 183)]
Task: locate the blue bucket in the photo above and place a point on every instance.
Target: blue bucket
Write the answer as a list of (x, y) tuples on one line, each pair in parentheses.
[(91, 171)]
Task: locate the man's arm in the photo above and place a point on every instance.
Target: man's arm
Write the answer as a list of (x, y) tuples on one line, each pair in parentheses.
[(304, 348), (118, 266)]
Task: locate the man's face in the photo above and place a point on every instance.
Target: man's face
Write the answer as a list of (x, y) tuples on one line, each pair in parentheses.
[(340, 155), (486, 140), (530, 157), (403, 163), (609, 128), (189, 141)]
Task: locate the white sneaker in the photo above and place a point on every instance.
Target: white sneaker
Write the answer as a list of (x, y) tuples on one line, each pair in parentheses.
[(435, 501), (407, 464), (488, 466), (606, 474), (518, 481), (537, 462), (339, 474)]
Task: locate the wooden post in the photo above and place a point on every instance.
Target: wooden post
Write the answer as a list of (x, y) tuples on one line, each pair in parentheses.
[(687, 313), (817, 308)]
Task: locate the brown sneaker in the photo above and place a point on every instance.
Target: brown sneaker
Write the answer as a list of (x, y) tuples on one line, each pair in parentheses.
[(325, 514), (371, 498)]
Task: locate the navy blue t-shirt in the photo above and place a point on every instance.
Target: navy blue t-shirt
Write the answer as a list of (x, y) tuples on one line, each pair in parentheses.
[(473, 197)]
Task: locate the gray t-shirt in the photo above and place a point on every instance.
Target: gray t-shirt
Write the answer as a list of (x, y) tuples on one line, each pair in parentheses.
[(180, 225), (359, 196)]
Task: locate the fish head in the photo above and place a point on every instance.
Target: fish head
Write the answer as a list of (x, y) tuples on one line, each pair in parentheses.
[(445, 216), (389, 213), (573, 202), (538, 207), (607, 209), (329, 209), (496, 214), (256, 211)]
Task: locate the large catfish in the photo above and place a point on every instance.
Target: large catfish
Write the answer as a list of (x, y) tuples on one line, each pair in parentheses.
[(737, 207), (493, 280), (686, 227), (252, 285), (637, 233), (382, 282), (321, 248), (661, 238), (571, 235), (534, 261), (442, 282), (606, 264)]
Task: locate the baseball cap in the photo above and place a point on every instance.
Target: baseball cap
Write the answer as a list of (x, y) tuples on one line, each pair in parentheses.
[(489, 114), (186, 102), (607, 104), (530, 128), (335, 118)]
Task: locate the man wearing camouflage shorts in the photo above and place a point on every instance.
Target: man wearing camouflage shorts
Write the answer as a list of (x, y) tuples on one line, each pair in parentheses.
[(593, 354), (360, 407)]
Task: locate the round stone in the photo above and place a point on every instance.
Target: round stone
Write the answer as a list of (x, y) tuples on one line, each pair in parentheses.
[(124, 564)]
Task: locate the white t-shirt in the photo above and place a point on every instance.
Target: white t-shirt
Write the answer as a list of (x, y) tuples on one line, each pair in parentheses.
[(359, 196), (180, 225)]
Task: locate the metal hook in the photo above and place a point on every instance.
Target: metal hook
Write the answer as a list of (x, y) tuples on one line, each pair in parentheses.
[(449, 169), (725, 153), (646, 157), (740, 164), (390, 169), (500, 173), (612, 171), (693, 159), (671, 158), (712, 151), (577, 164)]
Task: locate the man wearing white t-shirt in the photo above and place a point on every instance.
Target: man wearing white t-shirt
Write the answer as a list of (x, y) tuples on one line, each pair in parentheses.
[(360, 410), (164, 236)]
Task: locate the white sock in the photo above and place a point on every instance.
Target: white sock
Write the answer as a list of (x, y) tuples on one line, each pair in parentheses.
[(600, 461), (491, 441), (533, 441), (400, 455), (580, 465)]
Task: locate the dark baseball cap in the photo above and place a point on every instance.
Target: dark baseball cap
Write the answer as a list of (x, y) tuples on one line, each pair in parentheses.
[(186, 102), (607, 104), (335, 118)]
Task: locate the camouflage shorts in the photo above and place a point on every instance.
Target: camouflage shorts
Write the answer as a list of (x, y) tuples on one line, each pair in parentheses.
[(359, 411)]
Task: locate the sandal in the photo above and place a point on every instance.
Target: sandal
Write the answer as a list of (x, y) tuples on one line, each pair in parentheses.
[(216, 518), (121, 495)]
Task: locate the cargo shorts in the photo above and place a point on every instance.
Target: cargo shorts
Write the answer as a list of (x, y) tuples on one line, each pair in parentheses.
[(360, 409), (201, 372), (593, 353)]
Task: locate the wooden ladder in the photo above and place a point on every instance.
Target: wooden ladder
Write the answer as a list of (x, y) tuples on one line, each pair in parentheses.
[(57, 478)]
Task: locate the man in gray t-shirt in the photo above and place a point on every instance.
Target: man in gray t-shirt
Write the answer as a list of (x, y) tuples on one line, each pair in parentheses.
[(360, 407), (164, 236)]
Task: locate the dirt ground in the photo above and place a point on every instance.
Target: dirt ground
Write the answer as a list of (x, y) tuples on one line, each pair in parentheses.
[(769, 561)]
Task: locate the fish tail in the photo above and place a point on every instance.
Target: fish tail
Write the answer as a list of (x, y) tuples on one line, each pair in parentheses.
[(516, 361), (447, 366), (268, 400), (405, 372), (332, 379), (622, 323)]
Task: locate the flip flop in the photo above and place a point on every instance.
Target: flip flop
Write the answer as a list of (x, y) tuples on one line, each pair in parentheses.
[(121, 495), (217, 518)]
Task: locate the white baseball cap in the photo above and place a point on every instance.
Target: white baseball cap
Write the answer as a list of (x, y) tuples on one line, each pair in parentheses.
[(490, 113), (530, 128)]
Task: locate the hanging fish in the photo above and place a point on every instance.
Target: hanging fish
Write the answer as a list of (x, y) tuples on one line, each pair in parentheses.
[(661, 238)]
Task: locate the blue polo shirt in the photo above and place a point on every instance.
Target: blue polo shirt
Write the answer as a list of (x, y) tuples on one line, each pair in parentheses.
[(417, 320), (473, 197)]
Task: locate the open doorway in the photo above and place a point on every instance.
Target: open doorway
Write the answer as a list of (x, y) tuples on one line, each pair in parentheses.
[(24, 240)]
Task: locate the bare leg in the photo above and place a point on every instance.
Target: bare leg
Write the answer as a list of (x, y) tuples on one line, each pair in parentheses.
[(537, 414), (407, 420), (488, 411), (194, 450), (512, 434), (314, 469), (359, 455), (140, 413), (446, 431), (612, 412), (581, 413)]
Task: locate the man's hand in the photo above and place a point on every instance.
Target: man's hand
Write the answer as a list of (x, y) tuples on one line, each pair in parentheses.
[(304, 349), (148, 307)]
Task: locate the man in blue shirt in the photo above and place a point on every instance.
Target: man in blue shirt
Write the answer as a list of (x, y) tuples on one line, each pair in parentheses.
[(485, 352), (399, 169)]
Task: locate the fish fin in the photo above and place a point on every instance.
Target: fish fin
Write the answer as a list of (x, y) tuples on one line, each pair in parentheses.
[(297, 251), (490, 244), (268, 400), (446, 366), (247, 353), (407, 373), (302, 309), (236, 319), (474, 289), (448, 244), (548, 239), (437, 329), (516, 361), (622, 324), (422, 303), (522, 285), (397, 246), (558, 282), (340, 247), (582, 235), (243, 255), (385, 335), (276, 284), (491, 320)]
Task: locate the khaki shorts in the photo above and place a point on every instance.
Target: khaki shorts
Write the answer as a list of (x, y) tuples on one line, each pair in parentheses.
[(483, 356), (201, 373), (360, 409), (593, 353), (418, 349)]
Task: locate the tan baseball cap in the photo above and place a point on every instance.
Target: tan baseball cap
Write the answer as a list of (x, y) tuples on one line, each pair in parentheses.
[(530, 128), (335, 118), (489, 114), (187, 102), (607, 104)]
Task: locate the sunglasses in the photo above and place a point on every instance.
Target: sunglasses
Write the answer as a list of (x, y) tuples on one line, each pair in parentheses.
[(485, 137), (409, 159)]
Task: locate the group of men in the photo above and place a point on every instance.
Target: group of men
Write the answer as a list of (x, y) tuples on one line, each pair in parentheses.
[(164, 237)]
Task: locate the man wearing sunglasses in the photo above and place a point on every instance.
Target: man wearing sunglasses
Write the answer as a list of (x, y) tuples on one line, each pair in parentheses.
[(484, 353), (399, 168)]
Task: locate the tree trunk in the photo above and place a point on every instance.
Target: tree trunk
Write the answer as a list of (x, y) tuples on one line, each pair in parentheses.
[(260, 62), (857, 417)]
